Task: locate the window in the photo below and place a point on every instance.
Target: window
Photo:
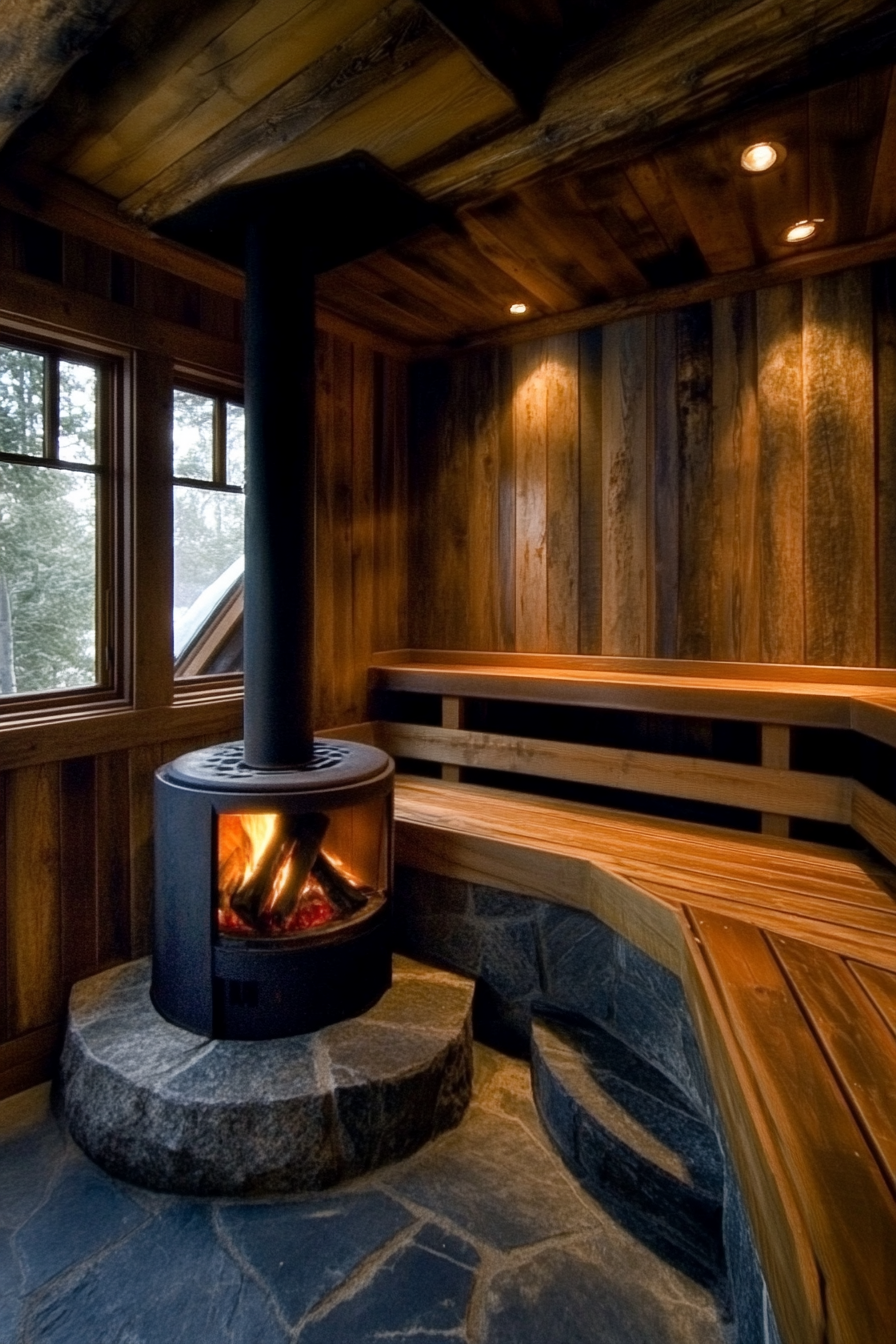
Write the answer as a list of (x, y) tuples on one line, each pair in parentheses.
[(209, 464), (54, 521)]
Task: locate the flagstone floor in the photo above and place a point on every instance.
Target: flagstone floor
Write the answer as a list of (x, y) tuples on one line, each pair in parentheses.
[(483, 1237)]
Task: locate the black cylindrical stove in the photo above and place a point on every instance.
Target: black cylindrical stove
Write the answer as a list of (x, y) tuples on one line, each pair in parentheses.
[(273, 856), (272, 890)]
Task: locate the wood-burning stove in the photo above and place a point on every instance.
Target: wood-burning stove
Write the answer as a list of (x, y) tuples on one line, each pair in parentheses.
[(273, 856)]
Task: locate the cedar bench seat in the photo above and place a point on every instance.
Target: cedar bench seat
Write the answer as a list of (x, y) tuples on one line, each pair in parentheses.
[(787, 955)]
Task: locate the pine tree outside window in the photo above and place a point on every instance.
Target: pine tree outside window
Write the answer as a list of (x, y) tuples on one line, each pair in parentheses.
[(54, 503)]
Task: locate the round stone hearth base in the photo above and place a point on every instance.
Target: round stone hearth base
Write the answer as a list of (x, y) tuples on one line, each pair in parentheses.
[(163, 1108)]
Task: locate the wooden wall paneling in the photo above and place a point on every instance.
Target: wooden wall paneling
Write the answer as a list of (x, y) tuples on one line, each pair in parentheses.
[(840, 470), (142, 765), (562, 407), (506, 499), (701, 179), (150, 409), (363, 525), (323, 579), (735, 482), (694, 387), (590, 489), (429, 387), (33, 897), (884, 295), (624, 489), (338, 455), (78, 867), (113, 852), (530, 435), (779, 328), (664, 575), (391, 486), (484, 579)]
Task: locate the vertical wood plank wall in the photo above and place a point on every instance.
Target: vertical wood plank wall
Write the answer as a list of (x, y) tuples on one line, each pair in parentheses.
[(716, 483)]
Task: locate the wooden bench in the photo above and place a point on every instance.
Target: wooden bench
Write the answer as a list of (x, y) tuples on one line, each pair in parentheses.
[(786, 950)]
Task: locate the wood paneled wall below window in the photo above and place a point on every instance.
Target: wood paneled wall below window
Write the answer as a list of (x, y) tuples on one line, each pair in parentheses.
[(717, 482)]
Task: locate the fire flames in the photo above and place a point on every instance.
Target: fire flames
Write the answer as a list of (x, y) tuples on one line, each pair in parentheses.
[(275, 878)]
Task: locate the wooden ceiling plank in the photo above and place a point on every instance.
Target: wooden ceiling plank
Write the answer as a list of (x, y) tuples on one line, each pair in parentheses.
[(403, 120), (41, 40), (248, 59), (651, 186), (770, 202), (384, 289), (457, 263), (558, 210), (453, 300), (519, 257), (882, 209), (702, 180), (336, 292), (677, 64), (386, 47), (824, 261), (845, 122)]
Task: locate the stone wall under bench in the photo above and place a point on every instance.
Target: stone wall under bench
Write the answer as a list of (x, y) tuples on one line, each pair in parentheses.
[(531, 956)]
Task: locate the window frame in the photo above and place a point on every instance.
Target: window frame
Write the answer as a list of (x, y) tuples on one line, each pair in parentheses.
[(112, 365), (220, 626)]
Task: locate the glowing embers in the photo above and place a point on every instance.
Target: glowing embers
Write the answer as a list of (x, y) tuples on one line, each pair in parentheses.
[(276, 878)]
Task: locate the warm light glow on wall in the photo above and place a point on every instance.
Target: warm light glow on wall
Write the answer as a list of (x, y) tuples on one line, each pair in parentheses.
[(760, 157), (802, 230), (519, 308)]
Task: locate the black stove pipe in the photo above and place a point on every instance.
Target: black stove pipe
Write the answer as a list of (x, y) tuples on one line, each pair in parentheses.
[(278, 617)]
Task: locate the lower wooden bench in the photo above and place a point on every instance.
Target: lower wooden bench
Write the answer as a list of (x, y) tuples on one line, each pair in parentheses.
[(787, 955)]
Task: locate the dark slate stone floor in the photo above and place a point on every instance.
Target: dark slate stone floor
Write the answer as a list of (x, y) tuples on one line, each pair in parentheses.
[(482, 1237)]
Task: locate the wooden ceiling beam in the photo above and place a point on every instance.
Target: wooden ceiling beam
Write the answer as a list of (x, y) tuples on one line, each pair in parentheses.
[(399, 39), (677, 65), (40, 40)]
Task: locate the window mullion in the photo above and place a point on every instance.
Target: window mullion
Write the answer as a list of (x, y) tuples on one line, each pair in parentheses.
[(51, 407), (219, 442)]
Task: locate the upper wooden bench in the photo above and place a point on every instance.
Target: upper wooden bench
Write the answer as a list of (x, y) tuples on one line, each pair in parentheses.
[(777, 698), (787, 955)]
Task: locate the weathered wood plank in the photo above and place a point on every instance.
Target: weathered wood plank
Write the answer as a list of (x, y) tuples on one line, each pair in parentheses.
[(363, 526), (590, 490), (142, 764), (77, 867), (841, 603), (324, 590), (694, 385), (153, 536), (563, 486), (735, 482), (884, 296), (506, 499), (33, 897), (779, 324), (882, 207), (624, 489), (665, 488), (338, 465), (113, 869), (604, 109), (41, 40), (530, 430), (483, 580)]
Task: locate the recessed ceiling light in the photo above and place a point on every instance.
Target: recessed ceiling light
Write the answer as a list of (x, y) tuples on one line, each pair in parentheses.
[(802, 230), (760, 157), (519, 308)]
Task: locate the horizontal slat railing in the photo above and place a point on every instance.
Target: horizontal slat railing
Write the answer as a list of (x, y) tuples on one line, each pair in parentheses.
[(788, 792)]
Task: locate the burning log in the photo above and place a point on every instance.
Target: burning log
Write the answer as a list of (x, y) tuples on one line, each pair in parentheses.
[(270, 891)]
